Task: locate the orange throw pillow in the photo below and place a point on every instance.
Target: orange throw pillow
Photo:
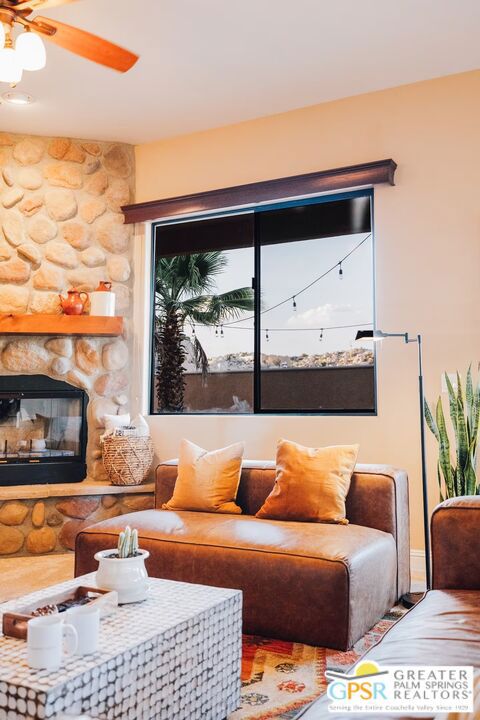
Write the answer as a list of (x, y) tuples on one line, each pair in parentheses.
[(207, 481), (311, 484)]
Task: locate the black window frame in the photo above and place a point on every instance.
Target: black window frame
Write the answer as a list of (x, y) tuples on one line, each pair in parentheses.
[(256, 284)]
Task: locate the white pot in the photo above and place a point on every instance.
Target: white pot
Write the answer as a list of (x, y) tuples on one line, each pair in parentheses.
[(127, 576), (102, 303)]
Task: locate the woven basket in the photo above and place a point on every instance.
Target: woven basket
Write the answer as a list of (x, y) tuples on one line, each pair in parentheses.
[(127, 460)]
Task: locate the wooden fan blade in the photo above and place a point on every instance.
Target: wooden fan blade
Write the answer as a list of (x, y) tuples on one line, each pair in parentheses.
[(40, 4), (85, 44)]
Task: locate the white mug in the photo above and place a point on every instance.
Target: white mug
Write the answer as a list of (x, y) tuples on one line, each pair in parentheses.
[(86, 621), (48, 640)]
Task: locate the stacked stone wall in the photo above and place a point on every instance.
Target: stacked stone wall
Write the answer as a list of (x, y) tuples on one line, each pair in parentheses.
[(61, 227), (39, 527)]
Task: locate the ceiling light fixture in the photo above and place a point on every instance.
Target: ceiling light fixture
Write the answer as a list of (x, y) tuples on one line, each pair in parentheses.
[(10, 67), (30, 50), (13, 97)]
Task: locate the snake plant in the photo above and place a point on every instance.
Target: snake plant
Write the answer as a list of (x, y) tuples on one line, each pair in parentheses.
[(459, 478)]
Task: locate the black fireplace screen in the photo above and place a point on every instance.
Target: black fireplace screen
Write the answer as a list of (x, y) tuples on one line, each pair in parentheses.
[(42, 431)]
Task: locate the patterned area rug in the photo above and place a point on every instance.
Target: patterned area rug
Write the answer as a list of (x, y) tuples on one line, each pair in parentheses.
[(279, 677)]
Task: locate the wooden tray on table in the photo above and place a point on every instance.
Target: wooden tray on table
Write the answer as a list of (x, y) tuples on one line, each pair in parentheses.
[(14, 623)]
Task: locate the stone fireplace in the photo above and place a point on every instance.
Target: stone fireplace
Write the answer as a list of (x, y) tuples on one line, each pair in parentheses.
[(43, 431), (97, 366), (61, 226)]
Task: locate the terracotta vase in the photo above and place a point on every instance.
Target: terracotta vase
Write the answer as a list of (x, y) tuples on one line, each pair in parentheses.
[(73, 304)]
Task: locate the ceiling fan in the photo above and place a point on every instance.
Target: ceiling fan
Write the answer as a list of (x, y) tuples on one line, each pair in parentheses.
[(28, 51)]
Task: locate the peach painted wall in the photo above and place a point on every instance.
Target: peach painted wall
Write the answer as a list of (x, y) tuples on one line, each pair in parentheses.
[(427, 249)]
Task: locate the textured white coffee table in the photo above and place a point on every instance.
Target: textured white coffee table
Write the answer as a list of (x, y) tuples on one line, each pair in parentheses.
[(177, 655)]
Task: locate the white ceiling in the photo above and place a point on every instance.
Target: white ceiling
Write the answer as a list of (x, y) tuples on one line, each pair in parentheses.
[(207, 63)]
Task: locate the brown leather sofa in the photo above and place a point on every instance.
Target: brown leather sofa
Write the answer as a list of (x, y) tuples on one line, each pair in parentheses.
[(444, 627), (315, 583)]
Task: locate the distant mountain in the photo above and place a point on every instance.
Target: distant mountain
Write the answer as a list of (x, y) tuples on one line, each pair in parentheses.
[(244, 361)]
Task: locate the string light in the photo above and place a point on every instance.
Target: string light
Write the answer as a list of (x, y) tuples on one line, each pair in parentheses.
[(296, 329), (232, 325), (307, 287)]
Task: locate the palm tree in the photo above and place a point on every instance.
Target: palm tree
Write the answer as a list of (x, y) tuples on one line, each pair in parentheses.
[(184, 286)]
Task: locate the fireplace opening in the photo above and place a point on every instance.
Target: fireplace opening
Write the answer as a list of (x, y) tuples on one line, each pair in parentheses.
[(43, 431)]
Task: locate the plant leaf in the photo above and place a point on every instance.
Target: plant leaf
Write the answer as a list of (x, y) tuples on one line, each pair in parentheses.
[(474, 428), (470, 479), (439, 478), (444, 451), (430, 421), (462, 444), (452, 397), (469, 395), (201, 359)]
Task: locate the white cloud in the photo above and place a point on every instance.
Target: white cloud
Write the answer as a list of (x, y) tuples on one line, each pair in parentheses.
[(321, 315)]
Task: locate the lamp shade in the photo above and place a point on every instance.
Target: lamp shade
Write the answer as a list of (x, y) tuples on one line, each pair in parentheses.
[(361, 334), (10, 68), (31, 51)]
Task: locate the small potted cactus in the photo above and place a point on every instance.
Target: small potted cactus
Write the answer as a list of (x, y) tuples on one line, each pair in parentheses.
[(123, 569)]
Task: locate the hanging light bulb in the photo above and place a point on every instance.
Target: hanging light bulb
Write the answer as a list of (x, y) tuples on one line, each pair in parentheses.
[(31, 51), (216, 330), (221, 331), (340, 271), (294, 303), (193, 330), (10, 68), (267, 338), (321, 335)]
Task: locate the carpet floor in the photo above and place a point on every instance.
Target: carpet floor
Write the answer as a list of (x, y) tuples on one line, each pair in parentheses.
[(278, 678)]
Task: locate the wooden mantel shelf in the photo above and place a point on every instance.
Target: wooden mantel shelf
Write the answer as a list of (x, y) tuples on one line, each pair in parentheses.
[(60, 325), (86, 487)]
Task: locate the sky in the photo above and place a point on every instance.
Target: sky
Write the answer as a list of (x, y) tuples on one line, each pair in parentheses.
[(286, 268)]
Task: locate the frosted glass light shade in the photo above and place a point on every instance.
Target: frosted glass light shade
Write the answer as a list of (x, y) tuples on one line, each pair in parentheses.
[(10, 68), (31, 51)]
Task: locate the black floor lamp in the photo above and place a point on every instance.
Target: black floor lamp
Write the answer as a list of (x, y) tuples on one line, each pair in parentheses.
[(410, 599)]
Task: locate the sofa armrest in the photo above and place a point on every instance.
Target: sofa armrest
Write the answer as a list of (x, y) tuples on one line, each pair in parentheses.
[(165, 477), (455, 532), (378, 498)]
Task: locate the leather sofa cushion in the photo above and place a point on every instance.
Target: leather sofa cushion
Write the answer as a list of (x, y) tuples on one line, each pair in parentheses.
[(307, 582), (456, 544), (340, 543), (378, 498), (442, 629)]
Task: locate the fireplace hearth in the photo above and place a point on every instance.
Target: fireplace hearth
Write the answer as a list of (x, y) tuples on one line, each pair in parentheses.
[(43, 431)]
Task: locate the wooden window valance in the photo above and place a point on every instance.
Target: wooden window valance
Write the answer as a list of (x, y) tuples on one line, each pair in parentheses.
[(353, 176)]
